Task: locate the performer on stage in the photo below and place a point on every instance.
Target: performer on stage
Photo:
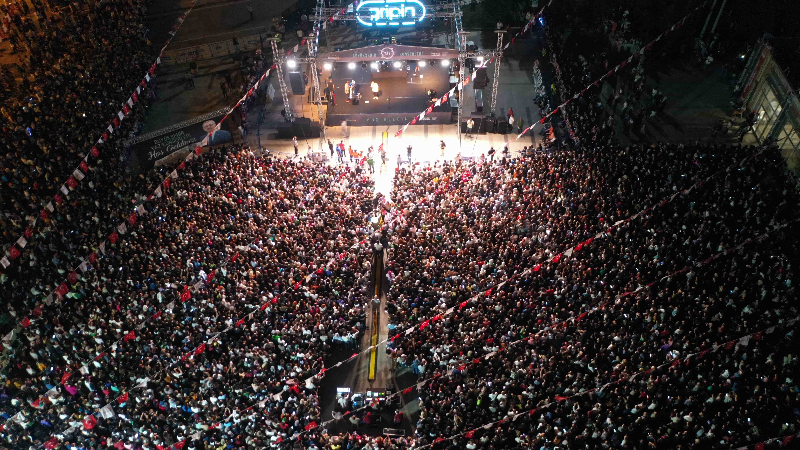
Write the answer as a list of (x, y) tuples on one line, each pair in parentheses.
[(374, 87)]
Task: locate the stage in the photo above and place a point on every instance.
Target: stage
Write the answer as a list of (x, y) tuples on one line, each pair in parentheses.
[(403, 93)]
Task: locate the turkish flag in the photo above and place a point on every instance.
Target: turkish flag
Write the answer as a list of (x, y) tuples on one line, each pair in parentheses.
[(132, 219), (65, 377), (71, 182), (311, 426), (469, 434), (58, 198), (72, 277), (179, 445), (211, 276), (131, 335), (186, 295), (95, 151), (93, 257), (126, 109), (28, 233), (14, 252), (424, 325), (83, 166), (557, 258), (62, 289), (297, 285), (182, 165), (537, 267), (105, 136), (44, 214), (200, 349), (89, 422), (115, 121), (135, 97), (560, 398), (113, 237), (166, 182), (25, 323), (239, 322), (407, 390), (37, 311), (51, 444)]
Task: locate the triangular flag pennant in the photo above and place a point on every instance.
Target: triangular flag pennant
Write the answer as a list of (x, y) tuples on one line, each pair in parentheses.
[(179, 445), (407, 390), (72, 277), (131, 335), (122, 228), (200, 349), (113, 237), (107, 413), (22, 242), (77, 174), (25, 323)]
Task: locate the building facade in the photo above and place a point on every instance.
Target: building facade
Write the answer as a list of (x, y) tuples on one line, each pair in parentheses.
[(766, 91)]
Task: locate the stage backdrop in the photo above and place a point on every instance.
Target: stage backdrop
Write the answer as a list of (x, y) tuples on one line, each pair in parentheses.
[(155, 148)]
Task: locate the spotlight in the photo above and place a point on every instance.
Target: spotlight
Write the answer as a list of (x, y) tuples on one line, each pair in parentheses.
[(351, 65), (480, 59), (374, 65), (328, 66), (291, 63), (421, 63), (445, 62), (742, 57), (397, 64)]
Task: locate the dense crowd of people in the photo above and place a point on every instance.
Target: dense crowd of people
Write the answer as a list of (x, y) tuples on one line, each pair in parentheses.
[(284, 254), (461, 230), (79, 71)]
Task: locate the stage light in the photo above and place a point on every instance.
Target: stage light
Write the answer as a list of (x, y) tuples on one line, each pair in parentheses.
[(291, 63), (421, 64), (351, 65), (445, 62), (480, 59), (374, 65), (327, 66), (397, 64)]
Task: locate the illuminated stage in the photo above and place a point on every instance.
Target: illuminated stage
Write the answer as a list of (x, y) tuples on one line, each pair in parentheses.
[(404, 76)]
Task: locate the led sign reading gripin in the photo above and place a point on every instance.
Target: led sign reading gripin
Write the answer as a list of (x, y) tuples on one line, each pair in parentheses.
[(390, 12)]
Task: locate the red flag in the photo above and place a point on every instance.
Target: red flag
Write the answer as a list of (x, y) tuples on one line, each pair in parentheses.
[(537, 267), (559, 398), (200, 349), (557, 258), (198, 150), (44, 213), (52, 443), (132, 219), (72, 182), (84, 167), (166, 182), (424, 325), (532, 412), (469, 434), (488, 293), (65, 377), (235, 257), (578, 247), (239, 322), (58, 198), (757, 336), (182, 165), (131, 335), (93, 257), (62, 289), (311, 426), (25, 323), (462, 305), (99, 356), (119, 445), (295, 389), (264, 306), (787, 440), (438, 439), (729, 345), (89, 422), (115, 122), (135, 97), (113, 237), (37, 311), (760, 446), (394, 337), (211, 276), (476, 361), (407, 390), (186, 295), (28, 233), (95, 151), (157, 315), (123, 398), (179, 445), (72, 277), (13, 252), (297, 285)]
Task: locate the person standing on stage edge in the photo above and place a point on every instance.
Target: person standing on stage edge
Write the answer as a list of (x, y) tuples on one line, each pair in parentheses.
[(409, 153), (442, 146), (470, 124), (294, 142)]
